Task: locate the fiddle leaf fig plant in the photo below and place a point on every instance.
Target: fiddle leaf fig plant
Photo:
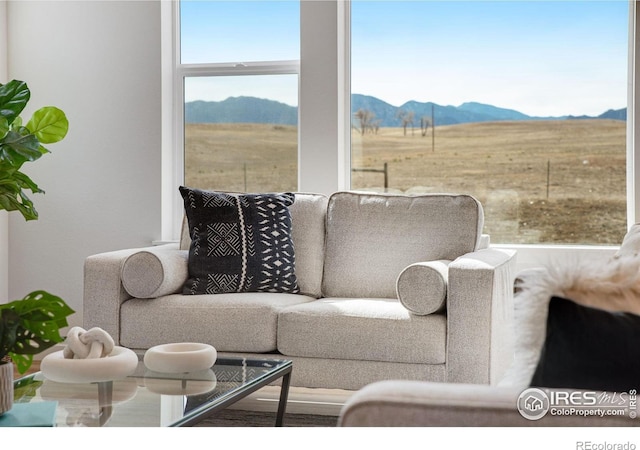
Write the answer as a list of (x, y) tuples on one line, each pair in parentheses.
[(30, 326), (23, 143)]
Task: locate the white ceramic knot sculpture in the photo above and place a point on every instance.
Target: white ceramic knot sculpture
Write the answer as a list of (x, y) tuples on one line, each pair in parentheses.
[(83, 344), (89, 357)]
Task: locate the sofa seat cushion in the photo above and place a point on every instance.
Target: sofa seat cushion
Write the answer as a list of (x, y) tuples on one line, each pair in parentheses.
[(238, 322), (370, 329)]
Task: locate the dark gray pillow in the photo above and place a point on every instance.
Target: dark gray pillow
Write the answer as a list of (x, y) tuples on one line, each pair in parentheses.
[(239, 242), (589, 348)]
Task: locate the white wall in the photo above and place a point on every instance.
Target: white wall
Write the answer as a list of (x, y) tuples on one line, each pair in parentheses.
[(99, 61), (4, 217)]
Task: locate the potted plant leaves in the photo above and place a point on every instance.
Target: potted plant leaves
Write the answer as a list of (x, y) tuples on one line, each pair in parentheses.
[(27, 327), (21, 143), (32, 324)]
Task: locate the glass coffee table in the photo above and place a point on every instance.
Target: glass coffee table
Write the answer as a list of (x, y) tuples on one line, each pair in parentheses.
[(147, 399)]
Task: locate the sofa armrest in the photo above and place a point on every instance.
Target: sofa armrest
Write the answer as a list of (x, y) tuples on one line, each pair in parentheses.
[(396, 403), (103, 289), (480, 316), (401, 403)]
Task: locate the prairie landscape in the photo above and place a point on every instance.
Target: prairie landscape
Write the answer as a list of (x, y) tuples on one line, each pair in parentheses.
[(555, 182)]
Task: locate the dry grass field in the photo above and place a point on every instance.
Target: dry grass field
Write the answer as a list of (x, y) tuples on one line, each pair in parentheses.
[(558, 182), (241, 157)]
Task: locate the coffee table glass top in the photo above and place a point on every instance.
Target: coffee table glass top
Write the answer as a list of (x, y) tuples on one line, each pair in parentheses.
[(147, 398)]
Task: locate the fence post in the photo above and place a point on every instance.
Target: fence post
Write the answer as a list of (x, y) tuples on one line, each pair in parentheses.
[(386, 177), (245, 177), (548, 176), (384, 171)]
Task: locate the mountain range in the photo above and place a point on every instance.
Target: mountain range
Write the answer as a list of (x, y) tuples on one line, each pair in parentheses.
[(257, 110)]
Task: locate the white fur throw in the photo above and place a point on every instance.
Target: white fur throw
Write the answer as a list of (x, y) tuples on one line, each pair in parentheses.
[(612, 284)]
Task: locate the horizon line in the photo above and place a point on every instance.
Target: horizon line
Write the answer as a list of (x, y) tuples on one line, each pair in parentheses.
[(563, 116)]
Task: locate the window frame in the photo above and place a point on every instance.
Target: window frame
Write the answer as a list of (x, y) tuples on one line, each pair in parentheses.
[(324, 117), (174, 75)]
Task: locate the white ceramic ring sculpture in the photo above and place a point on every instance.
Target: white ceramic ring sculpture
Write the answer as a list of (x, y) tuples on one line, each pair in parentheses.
[(119, 364), (180, 357)]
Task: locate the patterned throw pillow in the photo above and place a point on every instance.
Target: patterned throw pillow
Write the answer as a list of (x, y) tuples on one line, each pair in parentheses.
[(239, 242)]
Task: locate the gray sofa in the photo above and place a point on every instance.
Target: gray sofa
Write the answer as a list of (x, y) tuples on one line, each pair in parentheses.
[(610, 285), (392, 287)]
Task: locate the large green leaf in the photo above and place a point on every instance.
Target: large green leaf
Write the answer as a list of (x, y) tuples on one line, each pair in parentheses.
[(20, 144), (42, 306), (22, 362), (13, 98), (49, 124), (12, 201), (40, 316), (17, 123), (4, 127), (12, 195), (24, 182), (17, 148)]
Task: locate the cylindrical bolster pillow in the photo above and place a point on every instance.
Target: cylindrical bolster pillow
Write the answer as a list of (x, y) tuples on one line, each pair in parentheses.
[(422, 287), (151, 274)]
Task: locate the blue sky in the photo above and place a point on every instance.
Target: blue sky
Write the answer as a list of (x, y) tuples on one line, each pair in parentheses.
[(237, 30), (544, 58)]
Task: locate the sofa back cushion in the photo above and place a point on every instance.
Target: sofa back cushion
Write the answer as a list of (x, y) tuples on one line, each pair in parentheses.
[(371, 238), (308, 214)]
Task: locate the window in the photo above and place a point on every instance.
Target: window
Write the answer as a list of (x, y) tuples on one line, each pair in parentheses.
[(239, 31), (238, 80), (580, 190), (522, 104), (246, 143)]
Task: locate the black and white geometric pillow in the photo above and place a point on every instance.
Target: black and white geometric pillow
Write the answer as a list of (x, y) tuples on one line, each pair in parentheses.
[(239, 242)]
